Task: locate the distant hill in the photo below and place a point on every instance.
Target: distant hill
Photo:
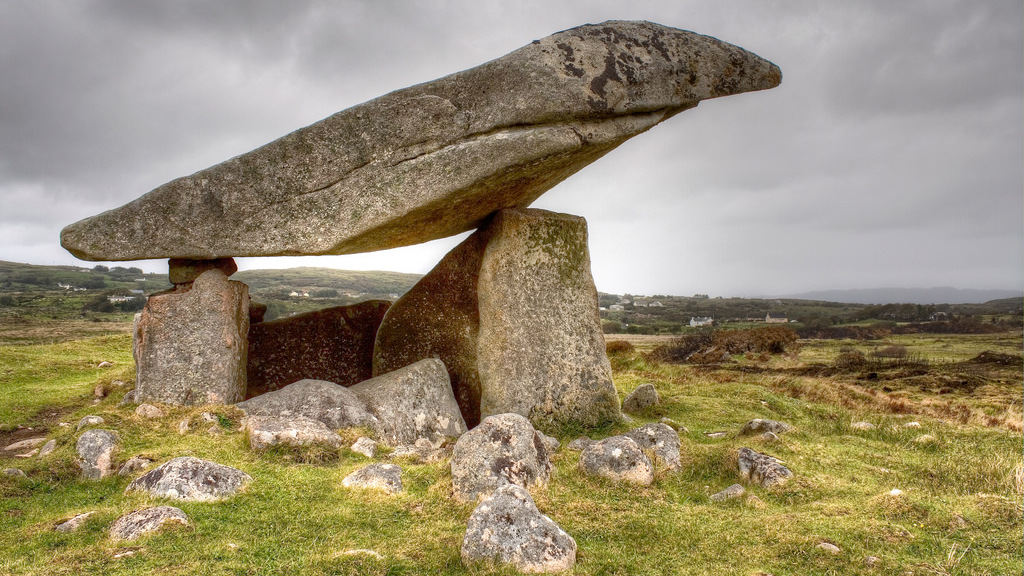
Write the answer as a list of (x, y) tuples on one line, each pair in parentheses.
[(943, 295)]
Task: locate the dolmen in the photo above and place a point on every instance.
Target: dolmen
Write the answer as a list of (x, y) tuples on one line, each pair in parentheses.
[(511, 312)]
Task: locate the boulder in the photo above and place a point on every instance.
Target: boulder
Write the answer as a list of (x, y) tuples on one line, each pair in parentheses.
[(645, 395), (434, 159), (141, 522), (762, 469), (661, 439), (333, 344), (96, 449), (191, 479), (266, 431), (74, 523), (506, 349), (619, 459), (413, 402), (365, 446), (759, 426), (91, 420), (730, 493), (148, 411), (503, 449), (383, 477), (191, 345), (508, 528), (334, 405)]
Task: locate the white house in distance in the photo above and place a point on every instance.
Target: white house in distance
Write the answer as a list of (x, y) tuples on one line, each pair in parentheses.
[(769, 319), (701, 321)]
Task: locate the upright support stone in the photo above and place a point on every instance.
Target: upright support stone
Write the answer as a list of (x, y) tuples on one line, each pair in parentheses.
[(513, 314), (191, 344)]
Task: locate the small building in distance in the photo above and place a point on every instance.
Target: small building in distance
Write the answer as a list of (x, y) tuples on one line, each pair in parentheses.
[(701, 321), (769, 319)]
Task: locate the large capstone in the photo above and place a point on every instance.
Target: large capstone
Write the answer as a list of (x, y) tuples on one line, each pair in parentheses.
[(191, 346), (513, 314), (434, 159), (334, 344)]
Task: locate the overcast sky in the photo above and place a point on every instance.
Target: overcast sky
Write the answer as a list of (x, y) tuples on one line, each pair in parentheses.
[(891, 155)]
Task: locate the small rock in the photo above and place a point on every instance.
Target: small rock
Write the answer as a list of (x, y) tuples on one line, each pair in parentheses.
[(716, 435), (502, 449), (760, 426), (674, 425), (48, 448), (129, 398), (125, 554), (734, 491), (96, 450), (100, 390), (550, 442), (762, 468), (74, 523), (25, 444), (183, 427), (104, 364), (644, 396), (619, 459), (508, 528), (17, 472), (579, 444), (267, 431), (133, 465), (872, 561), (660, 438), (925, 439), (385, 477), (830, 548), (862, 425), (89, 421), (423, 450), (149, 411), (365, 446), (28, 454), (132, 526), (895, 492), (191, 479), (769, 437), (912, 425)]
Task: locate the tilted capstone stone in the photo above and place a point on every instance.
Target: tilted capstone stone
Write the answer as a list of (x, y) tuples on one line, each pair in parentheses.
[(434, 159)]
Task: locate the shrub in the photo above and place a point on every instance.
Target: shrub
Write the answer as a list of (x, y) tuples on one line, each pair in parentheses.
[(618, 347), (710, 346)]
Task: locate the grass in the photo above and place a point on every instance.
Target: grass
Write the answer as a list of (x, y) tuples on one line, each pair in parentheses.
[(959, 511)]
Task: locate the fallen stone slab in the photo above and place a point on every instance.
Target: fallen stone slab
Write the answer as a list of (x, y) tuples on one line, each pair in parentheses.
[(142, 522), (503, 449), (730, 493), (333, 344), (762, 469), (760, 426), (74, 523), (434, 159), (96, 449), (619, 459), (662, 440), (334, 405), (26, 444), (191, 479), (643, 396), (267, 431), (508, 528), (383, 477)]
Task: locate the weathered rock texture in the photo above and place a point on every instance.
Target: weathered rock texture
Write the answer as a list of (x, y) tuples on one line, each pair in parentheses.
[(509, 528), (513, 314), (645, 395), (434, 159), (266, 431), (761, 468), (383, 477), (503, 449), (330, 403), (191, 479), (334, 344), (413, 402), (185, 271), (760, 426), (661, 439), (191, 345), (96, 450), (619, 459), (141, 522)]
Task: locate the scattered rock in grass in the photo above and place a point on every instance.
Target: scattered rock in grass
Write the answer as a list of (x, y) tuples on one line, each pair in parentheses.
[(48, 448), (730, 493), (763, 469), (100, 390), (502, 449), (132, 526), (644, 396), (330, 403), (830, 548), (760, 426), (25, 444), (716, 435), (862, 426), (508, 527), (872, 561), (104, 364), (183, 427), (579, 444), (362, 552), (148, 411), (91, 420), (74, 523), (129, 398), (191, 479), (674, 425), (551, 442), (28, 454), (365, 446), (423, 450), (895, 492), (17, 472), (661, 439), (134, 464), (125, 554), (912, 425), (926, 439), (96, 450), (755, 502), (769, 437), (619, 459), (384, 477), (267, 431)]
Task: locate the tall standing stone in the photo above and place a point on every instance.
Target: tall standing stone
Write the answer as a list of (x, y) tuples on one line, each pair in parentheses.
[(513, 314), (191, 344)]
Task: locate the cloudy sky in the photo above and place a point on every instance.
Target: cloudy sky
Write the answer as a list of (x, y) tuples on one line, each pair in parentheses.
[(891, 155)]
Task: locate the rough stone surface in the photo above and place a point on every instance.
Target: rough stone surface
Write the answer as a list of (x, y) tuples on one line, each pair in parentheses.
[(191, 479), (423, 450), (675, 425), (266, 431), (434, 159), (862, 426), (508, 527), (619, 459), (384, 477), (660, 439), (760, 426), (148, 411), (18, 472), (96, 449), (730, 493), (191, 346), (830, 548), (91, 420), (334, 405), (48, 448), (26, 444), (413, 402), (185, 271), (762, 468), (643, 396), (506, 348), (73, 524), (503, 449), (365, 446), (579, 444), (133, 465), (334, 344), (141, 522)]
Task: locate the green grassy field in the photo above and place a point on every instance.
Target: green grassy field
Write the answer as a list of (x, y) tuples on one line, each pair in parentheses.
[(960, 511)]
